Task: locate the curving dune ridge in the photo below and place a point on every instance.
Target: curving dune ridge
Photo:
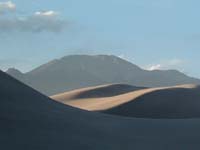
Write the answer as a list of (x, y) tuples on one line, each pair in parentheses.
[(108, 90), (181, 101)]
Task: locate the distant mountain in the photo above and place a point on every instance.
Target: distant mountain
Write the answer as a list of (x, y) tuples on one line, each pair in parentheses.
[(77, 71), (16, 73)]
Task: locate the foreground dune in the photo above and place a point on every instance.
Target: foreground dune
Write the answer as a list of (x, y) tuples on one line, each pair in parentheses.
[(31, 121), (181, 101)]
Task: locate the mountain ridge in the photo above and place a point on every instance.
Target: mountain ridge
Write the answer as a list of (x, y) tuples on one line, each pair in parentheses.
[(78, 71)]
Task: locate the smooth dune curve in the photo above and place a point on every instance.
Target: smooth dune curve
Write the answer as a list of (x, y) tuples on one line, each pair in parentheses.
[(181, 101), (108, 90)]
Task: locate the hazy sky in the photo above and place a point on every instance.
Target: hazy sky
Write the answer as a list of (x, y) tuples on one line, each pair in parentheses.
[(155, 34)]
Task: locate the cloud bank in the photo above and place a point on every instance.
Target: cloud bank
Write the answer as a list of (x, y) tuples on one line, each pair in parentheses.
[(7, 7), (39, 21), (155, 67), (170, 64)]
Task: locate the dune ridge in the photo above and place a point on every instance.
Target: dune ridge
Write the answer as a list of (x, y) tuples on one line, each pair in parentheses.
[(164, 102), (107, 90)]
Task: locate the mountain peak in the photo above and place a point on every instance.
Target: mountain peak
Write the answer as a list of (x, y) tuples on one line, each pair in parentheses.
[(16, 74), (78, 71), (13, 71)]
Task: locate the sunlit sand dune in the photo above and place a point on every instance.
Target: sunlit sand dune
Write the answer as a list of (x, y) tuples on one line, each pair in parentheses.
[(181, 101), (108, 90)]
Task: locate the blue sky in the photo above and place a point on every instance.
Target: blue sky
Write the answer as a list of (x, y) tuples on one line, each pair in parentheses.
[(156, 34)]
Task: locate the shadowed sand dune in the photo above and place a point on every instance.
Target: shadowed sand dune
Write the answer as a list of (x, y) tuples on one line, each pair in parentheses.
[(169, 102), (96, 92), (31, 121)]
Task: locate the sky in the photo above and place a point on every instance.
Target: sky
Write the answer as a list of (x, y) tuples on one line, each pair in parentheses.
[(156, 34)]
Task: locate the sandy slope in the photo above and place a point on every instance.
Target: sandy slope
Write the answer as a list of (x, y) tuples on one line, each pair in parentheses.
[(168, 102), (108, 90), (31, 121)]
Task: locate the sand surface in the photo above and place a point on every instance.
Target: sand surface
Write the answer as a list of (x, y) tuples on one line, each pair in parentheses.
[(181, 101)]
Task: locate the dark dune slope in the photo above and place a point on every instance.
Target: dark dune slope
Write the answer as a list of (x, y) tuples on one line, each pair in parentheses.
[(31, 121), (174, 102), (96, 92), (178, 102)]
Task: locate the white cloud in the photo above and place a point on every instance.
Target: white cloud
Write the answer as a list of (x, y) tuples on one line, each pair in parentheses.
[(49, 13), (164, 65), (7, 6), (32, 23), (122, 56), (155, 67), (37, 22)]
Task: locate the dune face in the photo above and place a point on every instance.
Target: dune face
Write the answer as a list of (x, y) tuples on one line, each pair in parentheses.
[(78, 71), (30, 121), (96, 92), (169, 102), (176, 102)]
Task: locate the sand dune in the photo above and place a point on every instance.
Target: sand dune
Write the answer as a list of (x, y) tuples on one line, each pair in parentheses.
[(108, 90), (30, 121), (181, 101)]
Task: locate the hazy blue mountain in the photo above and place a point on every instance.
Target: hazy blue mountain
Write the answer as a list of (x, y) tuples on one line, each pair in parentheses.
[(16, 73), (77, 71)]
